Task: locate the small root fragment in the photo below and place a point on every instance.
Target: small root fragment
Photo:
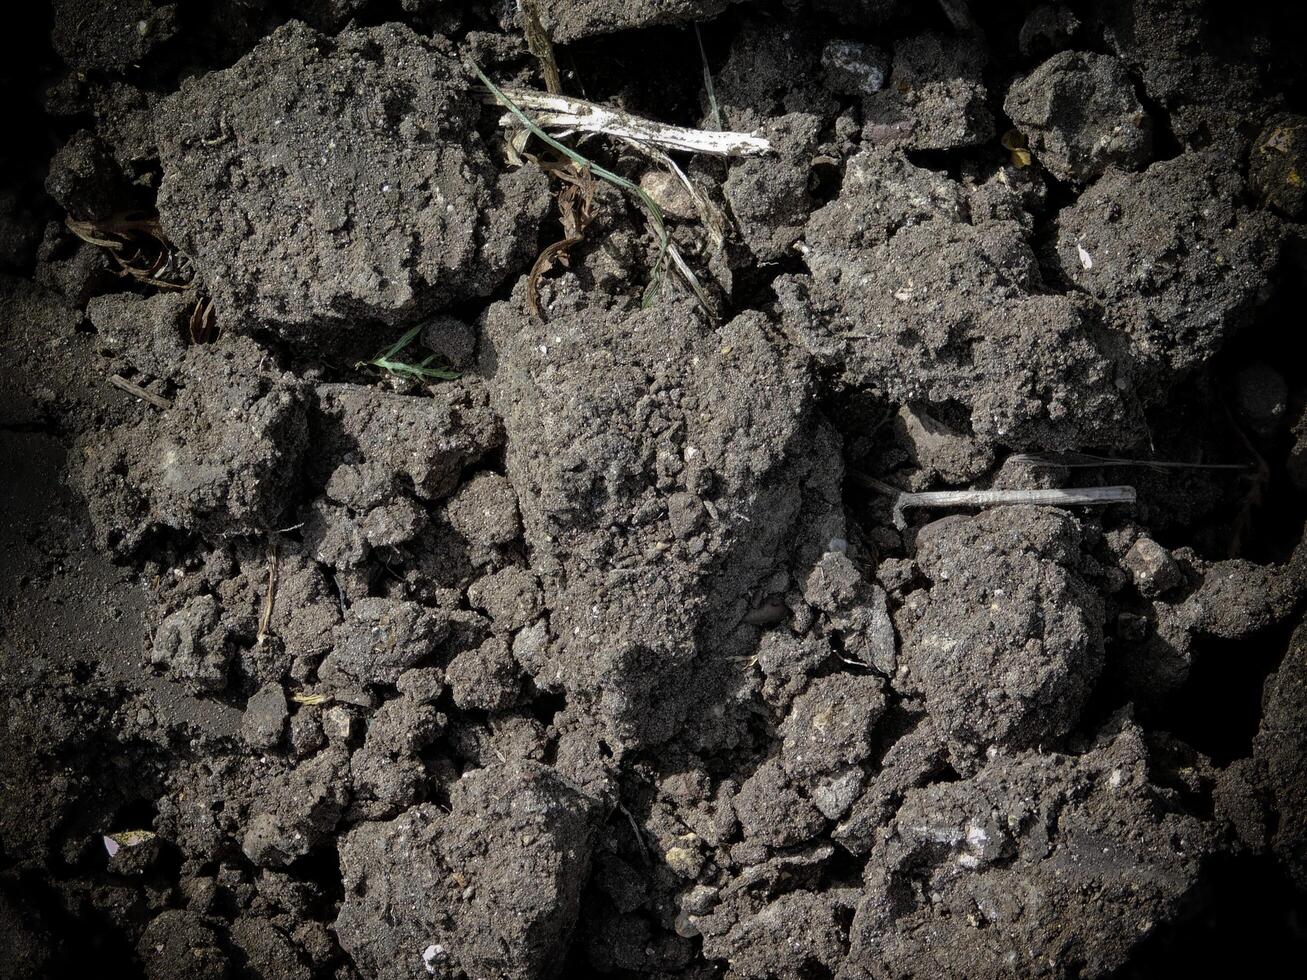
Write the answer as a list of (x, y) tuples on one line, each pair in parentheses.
[(121, 383), (270, 597), (575, 211)]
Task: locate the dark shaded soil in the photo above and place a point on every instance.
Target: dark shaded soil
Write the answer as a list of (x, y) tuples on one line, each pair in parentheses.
[(604, 652)]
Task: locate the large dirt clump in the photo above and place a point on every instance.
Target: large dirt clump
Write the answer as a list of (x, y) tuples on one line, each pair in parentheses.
[(326, 179)]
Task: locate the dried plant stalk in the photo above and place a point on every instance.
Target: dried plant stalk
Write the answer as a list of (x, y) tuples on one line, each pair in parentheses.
[(539, 44), (140, 249), (270, 596), (561, 113), (1079, 497)]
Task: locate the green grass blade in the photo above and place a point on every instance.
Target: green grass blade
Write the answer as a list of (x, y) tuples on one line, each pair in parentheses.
[(400, 345)]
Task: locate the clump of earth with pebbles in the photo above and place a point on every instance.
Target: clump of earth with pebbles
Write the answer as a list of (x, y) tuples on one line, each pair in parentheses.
[(677, 547)]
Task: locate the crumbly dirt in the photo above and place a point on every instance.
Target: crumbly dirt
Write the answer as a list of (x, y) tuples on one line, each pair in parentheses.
[(582, 636)]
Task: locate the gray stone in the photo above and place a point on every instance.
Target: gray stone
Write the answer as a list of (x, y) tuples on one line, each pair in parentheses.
[(265, 717)]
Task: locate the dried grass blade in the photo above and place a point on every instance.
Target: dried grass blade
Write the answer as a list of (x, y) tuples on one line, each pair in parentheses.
[(650, 205)]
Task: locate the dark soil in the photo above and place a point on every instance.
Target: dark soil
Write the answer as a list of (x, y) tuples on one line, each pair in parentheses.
[(603, 652)]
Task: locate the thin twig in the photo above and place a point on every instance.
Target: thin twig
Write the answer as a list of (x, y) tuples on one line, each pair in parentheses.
[(270, 598), (1079, 497), (559, 112), (1088, 460), (158, 401)]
